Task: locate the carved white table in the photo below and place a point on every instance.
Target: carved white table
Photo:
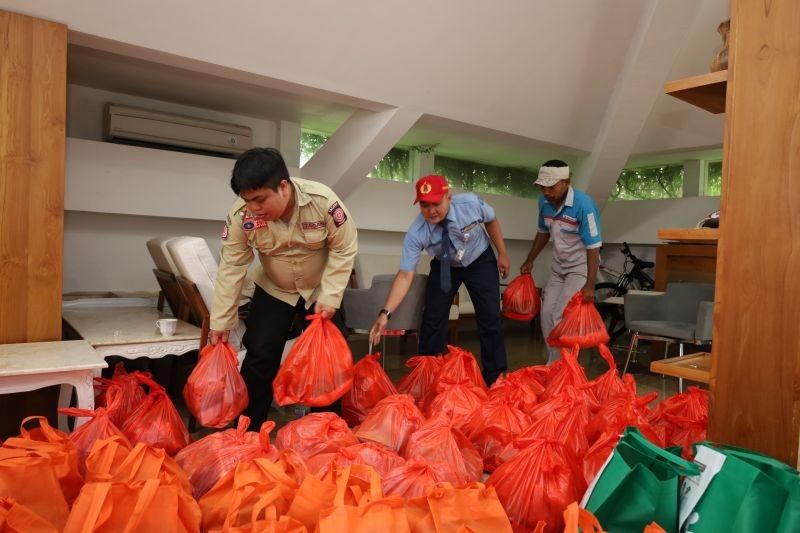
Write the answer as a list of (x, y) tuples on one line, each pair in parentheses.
[(130, 332), (33, 365)]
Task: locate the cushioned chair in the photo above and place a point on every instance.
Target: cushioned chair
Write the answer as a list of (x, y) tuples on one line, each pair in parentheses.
[(362, 305), (165, 275), (681, 315)]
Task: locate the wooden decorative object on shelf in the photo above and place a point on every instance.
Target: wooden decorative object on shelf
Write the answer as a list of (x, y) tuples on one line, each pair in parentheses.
[(706, 91), (720, 61)]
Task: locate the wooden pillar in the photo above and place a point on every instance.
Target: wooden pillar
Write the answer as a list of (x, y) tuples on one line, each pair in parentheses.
[(756, 350), (33, 65)]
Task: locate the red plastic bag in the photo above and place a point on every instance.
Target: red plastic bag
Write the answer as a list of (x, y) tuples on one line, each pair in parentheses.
[(215, 392), (412, 478), (391, 422), (580, 325), (378, 456), (370, 385), (420, 381), (538, 484), (213, 456), (318, 369), (517, 391), (564, 419), (121, 394), (155, 421), (493, 427), (624, 410), (683, 418), (565, 373), (315, 433), (457, 400), (598, 453), (438, 440), (521, 299), (609, 384), (458, 365), (99, 427)]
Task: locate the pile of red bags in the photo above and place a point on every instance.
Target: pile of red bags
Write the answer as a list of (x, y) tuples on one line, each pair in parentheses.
[(121, 394), (155, 421)]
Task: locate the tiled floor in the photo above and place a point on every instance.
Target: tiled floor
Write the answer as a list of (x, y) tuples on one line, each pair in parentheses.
[(524, 347)]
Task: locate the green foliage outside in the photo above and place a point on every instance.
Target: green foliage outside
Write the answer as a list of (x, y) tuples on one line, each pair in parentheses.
[(649, 183), (713, 179), (479, 177)]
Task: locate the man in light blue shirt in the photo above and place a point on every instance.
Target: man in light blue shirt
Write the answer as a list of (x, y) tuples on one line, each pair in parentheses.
[(451, 229), (570, 219)]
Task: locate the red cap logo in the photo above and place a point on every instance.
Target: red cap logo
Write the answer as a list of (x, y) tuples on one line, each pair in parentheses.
[(431, 188)]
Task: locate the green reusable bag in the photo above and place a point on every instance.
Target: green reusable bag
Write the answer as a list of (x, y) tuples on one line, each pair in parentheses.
[(638, 485), (740, 491)]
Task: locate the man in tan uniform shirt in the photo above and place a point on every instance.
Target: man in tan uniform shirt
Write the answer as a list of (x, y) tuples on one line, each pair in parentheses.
[(306, 243)]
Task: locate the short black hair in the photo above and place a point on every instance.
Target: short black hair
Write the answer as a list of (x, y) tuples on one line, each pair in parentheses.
[(258, 168), (557, 163)]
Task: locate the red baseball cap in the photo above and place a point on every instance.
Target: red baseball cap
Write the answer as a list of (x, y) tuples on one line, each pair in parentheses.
[(431, 188)]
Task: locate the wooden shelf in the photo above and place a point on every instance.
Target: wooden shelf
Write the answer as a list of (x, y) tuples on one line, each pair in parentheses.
[(692, 235), (694, 367), (706, 91)]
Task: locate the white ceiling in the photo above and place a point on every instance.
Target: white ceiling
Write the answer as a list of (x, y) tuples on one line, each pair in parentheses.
[(503, 82)]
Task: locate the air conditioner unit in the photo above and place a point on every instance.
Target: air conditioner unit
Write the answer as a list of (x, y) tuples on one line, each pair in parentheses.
[(131, 125)]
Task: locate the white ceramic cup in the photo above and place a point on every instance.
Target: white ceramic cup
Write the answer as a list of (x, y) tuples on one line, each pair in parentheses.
[(167, 326)]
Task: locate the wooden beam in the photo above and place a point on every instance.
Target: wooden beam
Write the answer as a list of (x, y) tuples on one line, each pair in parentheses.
[(756, 351), (33, 91)]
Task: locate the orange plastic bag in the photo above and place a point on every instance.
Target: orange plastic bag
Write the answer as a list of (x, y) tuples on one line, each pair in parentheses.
[(391, 422), (31, 480), (316, 494), (580, 325), (370, 385), (215, 392), (652, 527), (598, 454), (420, 381), (457, 400), (609, 384), (293, 464), (378, 456), (16, 518), (683, 419), (521, 299), (493, 427), (538, 484), (157, 504), (263, 519), (460, 364), (318, 369), (315, 433), (565, 373), (437, 440), (411, 479), (577, 520), (372, 512), (121, 394), (156, 422), (473, 507), (208, 459), (99, 427), (54, 445), (241, 489), (623, 410)]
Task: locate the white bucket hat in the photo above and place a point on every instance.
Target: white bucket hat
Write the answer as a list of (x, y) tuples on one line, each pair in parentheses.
[(549, 176)]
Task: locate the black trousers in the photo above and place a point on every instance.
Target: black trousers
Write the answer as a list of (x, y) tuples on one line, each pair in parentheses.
[(270, 323), (483, 285)]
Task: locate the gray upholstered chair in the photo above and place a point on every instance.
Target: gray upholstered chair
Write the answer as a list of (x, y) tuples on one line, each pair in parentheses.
[(361, 306), (683, 314)]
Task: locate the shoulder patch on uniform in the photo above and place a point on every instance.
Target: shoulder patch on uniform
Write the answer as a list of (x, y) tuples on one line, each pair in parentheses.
[(338, 214)]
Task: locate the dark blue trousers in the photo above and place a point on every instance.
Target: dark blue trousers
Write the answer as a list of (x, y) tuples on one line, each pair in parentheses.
[(483, 285)]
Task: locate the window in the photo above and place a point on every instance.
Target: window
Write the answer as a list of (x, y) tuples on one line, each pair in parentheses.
[(492, 179), (649, 183), (395, 166), (713, 178), (310, 143)]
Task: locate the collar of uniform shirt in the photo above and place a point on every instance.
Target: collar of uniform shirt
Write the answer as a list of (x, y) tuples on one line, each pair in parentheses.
[(302, 197), (568, 201)]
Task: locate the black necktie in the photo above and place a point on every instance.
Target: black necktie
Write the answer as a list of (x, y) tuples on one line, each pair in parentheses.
[(447, 246)]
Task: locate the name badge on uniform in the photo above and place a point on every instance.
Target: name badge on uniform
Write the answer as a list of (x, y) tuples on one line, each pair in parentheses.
[(460, 255), (311, 226)]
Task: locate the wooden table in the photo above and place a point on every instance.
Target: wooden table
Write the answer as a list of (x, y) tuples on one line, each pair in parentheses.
[(690, 255), (694, 367), (34, 365), (130, 332)]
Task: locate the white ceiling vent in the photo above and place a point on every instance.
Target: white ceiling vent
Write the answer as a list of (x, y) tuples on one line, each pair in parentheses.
[(131, 125)]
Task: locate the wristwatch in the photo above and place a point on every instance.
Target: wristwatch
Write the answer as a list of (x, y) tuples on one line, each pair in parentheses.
[(385, 312)]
